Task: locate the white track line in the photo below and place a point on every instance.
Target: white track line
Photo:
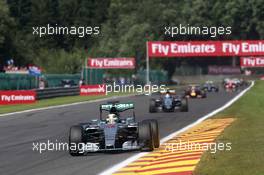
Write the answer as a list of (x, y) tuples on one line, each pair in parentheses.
[(124, 163), (66, 105)]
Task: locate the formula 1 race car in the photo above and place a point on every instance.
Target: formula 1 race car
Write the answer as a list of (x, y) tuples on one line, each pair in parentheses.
[(194, 91), (67, 83), (234, 84), (240, 82), (114, 132), (210, 86), (168, 102), (231, 84)]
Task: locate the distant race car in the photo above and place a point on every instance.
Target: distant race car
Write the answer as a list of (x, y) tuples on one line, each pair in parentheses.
[(236, 81), (115, 132), (67, 83), (231, 84), (241, 82), (195, 91), (210, 86), (168, 102)]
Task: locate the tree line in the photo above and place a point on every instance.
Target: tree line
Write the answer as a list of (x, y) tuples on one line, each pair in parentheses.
[(125, 26)]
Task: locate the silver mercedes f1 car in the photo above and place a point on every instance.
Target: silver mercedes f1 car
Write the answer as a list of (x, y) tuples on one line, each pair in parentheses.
[(114, 132)]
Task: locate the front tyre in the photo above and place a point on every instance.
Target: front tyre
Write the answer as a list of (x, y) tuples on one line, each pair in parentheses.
[(184, 105), (145, 137), (155, 131), (75, 139), (203, 94), (152, 106)]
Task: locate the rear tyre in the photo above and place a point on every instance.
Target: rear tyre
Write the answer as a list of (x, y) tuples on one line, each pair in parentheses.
[(155, 131), (145, 137), (184, 105), (152, 106), (216, 89), (75, 138), (203, 94)]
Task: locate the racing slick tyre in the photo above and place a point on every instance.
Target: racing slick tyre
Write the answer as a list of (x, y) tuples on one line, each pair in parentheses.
[(205, 89), (203, 94), (184, 105), (215, 89), (145, 137), (152, 106), (75, 138), (155, 131)]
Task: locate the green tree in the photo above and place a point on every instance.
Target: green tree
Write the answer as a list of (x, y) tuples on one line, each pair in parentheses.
[(126, 25), (6, 22)]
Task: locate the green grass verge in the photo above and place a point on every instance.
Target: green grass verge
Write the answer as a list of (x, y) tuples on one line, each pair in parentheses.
[(53, 102), (246, 135)]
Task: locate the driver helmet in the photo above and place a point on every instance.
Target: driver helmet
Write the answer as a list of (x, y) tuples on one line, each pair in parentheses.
[(113, 110), (111, 118), (167, 95)]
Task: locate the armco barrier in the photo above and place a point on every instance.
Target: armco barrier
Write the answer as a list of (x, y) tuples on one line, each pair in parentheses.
[(30, 96), (57, 92)]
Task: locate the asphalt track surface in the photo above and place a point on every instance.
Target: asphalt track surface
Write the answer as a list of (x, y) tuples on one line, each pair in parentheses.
[(19, 131)]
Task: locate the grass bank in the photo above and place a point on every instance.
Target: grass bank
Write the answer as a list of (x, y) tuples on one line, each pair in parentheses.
[(246, 135)]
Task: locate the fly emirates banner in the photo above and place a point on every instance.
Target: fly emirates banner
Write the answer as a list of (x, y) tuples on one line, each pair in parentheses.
[(205, 48)]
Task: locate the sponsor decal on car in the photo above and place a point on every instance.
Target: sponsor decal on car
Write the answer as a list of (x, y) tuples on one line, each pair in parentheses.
[(119, 106)]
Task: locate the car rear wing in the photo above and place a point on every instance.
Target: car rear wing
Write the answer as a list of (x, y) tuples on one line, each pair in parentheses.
[(171, 91), (120, 107)]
